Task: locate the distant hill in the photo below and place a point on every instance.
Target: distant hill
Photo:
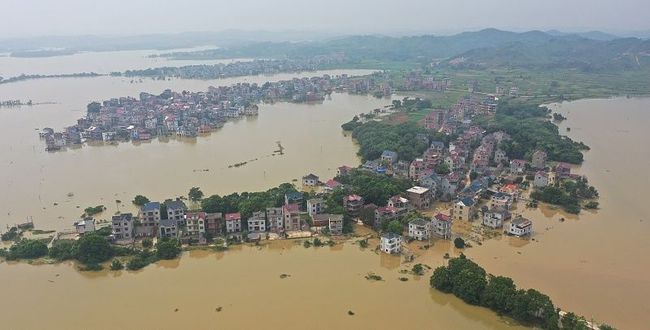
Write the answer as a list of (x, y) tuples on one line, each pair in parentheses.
[(576, 53), (485, 48), (594, 35)]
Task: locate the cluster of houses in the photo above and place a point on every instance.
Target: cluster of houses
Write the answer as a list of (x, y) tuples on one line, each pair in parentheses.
[(172, 219), (239, 68), (189, 114)]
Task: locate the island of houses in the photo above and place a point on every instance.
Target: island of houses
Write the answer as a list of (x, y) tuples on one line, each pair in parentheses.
[(188, 114)]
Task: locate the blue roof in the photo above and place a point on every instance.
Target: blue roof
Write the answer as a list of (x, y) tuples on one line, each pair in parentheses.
[(437, 144), (389, 153), (467, 201), (293, 195), (151, 206)]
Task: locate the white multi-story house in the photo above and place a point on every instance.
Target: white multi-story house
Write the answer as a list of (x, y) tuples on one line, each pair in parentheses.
[(176, 211), (520, 227), (149, 219), (441, 226), (335, 224), (195, 224), (419, 230), (233, 222), (391, 243), (501, 200), (257, 223), (495, 217), (315, 206)]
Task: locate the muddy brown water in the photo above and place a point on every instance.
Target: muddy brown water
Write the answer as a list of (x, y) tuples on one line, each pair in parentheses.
[(594, 264)]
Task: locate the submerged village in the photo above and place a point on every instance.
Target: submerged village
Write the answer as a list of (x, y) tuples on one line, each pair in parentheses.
[(467, 177)]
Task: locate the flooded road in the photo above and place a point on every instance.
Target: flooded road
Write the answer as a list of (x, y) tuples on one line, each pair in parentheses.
[(595, 264)]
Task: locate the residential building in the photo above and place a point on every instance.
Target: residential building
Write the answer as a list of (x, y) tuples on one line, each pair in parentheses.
[(441, 226), (291, 215), (539, 159), (257, 223), (418, 229), (388, 156), (434, 120), (520, 227), (438, 146), (501, 200), (168, 228), (464, 209), (500, 156), (214, 223), (84, 226), (562, 170), (149, 219), (416, 169), (419, 197), (310, 180), (517, 166), (195, 224), (495, 217), (398, 202), (353, 203), (176, 211), (385, 213), (233, 222), (293, 197), (122, 226), (541, 179), (343, 170), (336, 224), (315, 206), (275, 218), (390, 243)]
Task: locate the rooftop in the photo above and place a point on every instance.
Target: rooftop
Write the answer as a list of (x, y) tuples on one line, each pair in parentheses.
[(233, 216), (418, 190), (151, 206)]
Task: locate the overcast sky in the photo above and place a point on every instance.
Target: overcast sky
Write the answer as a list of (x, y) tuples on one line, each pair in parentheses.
[(73, 17)]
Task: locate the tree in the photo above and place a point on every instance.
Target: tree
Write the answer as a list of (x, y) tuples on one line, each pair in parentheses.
[(395, 227), (533, 307), (441, 279), (442, 168), (499, 293), (140, 200), (64, 249), (459, 243), (94, 249), (418, 269), (116, 265), (93, 107), (473, 175), (27, 249), (147, 243), (195, 194), (168, 249), (468, 279), (571, 321)]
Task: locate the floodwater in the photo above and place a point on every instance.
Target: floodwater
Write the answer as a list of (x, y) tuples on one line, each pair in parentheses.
[(595, 264), (98, 62), (53, 188), (245, 284)]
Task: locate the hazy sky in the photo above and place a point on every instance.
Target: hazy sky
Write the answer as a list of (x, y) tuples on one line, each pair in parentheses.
[(66, 17)]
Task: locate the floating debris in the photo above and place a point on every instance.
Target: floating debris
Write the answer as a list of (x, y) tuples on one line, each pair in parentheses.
[(218, 309), (284, 275), (350, 313), (403, 279)]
